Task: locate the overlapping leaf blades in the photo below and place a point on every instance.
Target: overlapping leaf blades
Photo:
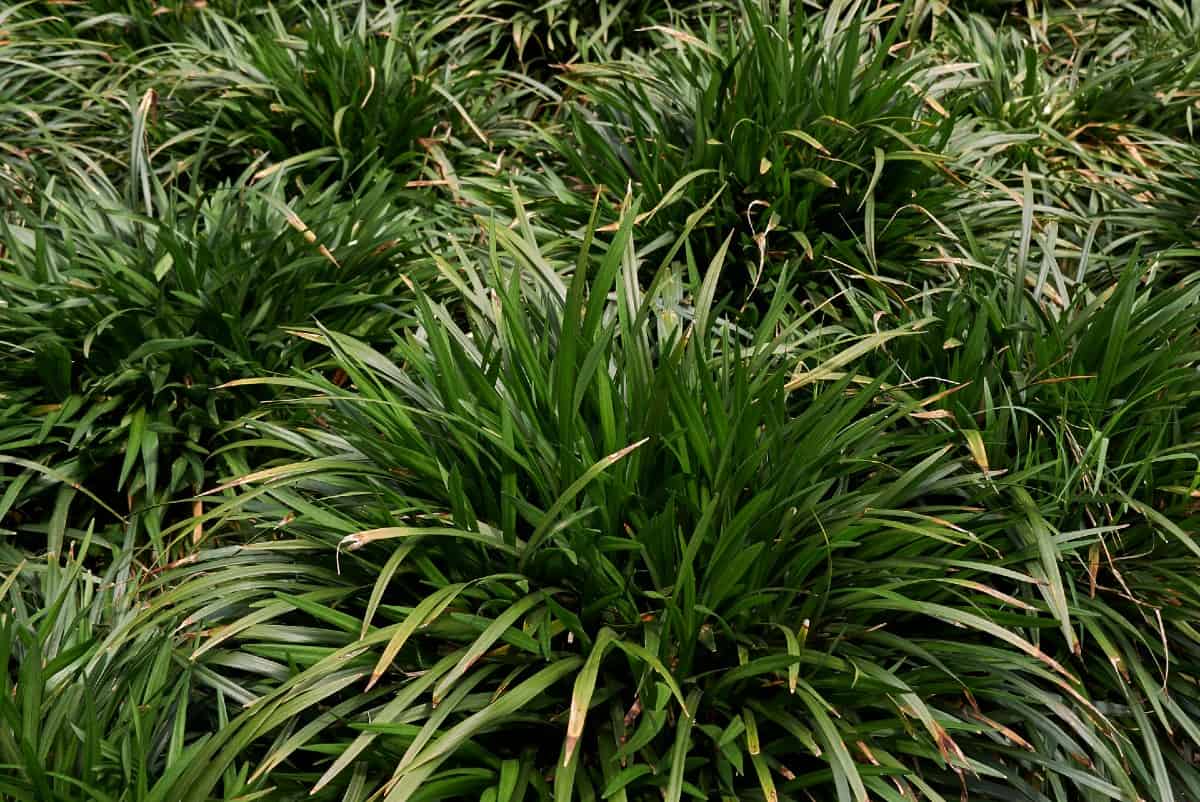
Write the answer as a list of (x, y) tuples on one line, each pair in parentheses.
[(625, 400)]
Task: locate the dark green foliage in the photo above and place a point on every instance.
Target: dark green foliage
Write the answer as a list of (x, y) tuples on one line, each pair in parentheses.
[(697, 517), (366, 92), (89, 705), (539, 35), (798, 124), (132, 318), (134, 24), (629, 400)]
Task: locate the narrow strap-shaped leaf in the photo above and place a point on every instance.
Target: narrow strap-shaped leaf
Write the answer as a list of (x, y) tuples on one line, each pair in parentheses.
[(381, 582), (645, 655), (585, 685), (360, 539), (842, 763), (549, 517), (485, 641), (500, 709), (679, 752), (429, 608), (390, 712)]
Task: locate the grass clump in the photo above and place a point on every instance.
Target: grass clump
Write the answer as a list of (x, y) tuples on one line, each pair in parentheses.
[(367, 90), (805, 125), (123, 321), (626, 401), (668, 531)]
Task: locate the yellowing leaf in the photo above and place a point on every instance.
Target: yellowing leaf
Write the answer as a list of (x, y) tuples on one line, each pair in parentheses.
[(975, 446)]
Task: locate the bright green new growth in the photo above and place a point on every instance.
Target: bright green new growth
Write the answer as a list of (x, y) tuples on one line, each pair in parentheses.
[(740, 400)]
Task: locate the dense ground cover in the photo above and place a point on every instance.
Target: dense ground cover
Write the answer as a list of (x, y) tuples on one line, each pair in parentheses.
[(631, 400)]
